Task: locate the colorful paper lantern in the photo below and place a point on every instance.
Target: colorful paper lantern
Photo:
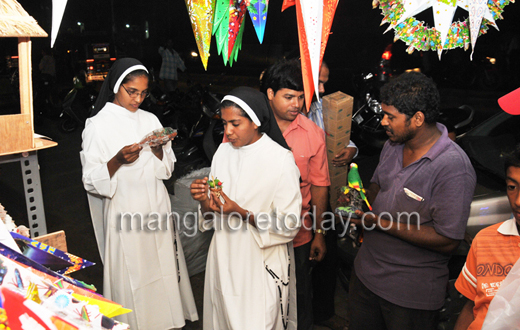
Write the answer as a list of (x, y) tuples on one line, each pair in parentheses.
[(201, 17), (446, 34), (314, 19), (258, 13)]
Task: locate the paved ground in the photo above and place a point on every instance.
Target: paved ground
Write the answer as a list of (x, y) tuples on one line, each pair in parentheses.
[(197, 284)]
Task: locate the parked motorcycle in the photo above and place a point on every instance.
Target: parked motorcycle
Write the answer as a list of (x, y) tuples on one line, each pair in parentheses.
[(367, 131), (195, 115), (201, 132), (47, 98), (77, 104)]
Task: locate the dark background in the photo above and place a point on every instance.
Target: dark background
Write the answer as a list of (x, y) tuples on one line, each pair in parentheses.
[(355, 45)]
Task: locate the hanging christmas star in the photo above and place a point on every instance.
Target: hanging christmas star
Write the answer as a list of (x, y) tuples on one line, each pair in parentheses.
[(228, 28), (446, 34), (201, 17), (329, 9), (237, 10), (477, 10), (58, 8), (258, 13), (221, 26), (312, 14), (314, 19)]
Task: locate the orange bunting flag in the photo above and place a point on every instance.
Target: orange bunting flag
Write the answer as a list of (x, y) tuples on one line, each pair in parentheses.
[(314, 23)]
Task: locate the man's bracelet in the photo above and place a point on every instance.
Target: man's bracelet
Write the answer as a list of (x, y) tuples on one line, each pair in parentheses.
[(320, 231)]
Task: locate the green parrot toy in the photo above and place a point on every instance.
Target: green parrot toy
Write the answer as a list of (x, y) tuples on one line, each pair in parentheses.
[(354, 182), (356, 193)]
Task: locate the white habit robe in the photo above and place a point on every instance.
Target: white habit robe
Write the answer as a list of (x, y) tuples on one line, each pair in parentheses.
[(239, 292), (142, 263)]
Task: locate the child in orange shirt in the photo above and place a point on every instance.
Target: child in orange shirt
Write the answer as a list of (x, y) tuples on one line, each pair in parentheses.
[(493, 253)]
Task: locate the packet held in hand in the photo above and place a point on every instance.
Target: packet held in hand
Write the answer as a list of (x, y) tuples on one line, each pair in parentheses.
[(158, 137)]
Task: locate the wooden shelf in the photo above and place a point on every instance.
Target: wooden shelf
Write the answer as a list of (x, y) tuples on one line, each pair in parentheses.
[(39, 144)]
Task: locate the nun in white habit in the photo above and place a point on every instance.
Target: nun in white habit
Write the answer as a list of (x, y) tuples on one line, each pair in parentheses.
[(249, 277), (144, 267)]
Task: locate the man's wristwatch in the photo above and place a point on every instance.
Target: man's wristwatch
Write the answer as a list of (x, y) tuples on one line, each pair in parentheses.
[(320, 231)]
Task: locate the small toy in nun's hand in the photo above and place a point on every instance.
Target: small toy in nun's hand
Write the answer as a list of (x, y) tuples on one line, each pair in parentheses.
[(352, 196), (158, 137), (215, 186)]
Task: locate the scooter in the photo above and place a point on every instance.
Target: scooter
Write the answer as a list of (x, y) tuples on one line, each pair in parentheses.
[(203, 137), (367, 131), (195, 115), (77, 104), (47, 98)]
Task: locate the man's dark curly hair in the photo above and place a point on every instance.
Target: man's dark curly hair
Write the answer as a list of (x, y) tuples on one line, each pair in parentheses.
[(283, 74), (412, 92)]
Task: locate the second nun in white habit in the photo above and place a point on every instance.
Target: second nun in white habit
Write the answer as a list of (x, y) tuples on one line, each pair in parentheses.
[(248, 281)]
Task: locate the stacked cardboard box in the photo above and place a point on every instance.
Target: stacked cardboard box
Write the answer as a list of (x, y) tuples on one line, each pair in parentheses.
[(337, 119)]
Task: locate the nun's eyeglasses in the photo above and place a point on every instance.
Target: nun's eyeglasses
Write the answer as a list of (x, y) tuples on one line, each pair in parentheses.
[(135, 94)]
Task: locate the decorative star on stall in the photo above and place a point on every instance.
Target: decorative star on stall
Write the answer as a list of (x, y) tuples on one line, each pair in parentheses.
[(446, 34), (314, 19), (58, 8), (201, 17), (258, 13), (228, 28)]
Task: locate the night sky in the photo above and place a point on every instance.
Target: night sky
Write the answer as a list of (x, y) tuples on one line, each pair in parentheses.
[(356, 42), (356, 30)]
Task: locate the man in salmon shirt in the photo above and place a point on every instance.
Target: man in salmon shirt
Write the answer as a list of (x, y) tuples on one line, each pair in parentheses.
[(283, 85)]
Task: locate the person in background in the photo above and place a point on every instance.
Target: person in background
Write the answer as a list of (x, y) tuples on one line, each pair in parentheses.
[(47, 65), (421, 193), (324, 273), (248, 281), (171, 62), (283, 85), (144, 266)]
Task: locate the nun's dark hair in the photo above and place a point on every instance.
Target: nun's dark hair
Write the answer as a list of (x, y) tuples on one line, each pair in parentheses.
[(131, 76), (119, 67), (134, 74), (228, 103)]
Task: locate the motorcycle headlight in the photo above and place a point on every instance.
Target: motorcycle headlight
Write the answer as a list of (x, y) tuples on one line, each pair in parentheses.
[(375, 107)]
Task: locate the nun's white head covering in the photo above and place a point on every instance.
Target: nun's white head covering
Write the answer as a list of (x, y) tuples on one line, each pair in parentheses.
[(256, 105), (119, 70)]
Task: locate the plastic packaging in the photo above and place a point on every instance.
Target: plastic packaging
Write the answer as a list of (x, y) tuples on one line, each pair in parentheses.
[(503, 309), (158, 137)]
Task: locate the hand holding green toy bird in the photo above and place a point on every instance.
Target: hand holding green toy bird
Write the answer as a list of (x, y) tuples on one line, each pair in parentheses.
[(354, 182)]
